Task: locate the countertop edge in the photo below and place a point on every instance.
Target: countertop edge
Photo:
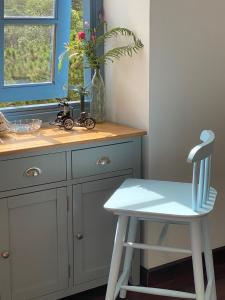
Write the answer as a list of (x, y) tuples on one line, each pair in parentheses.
[(124, 132)]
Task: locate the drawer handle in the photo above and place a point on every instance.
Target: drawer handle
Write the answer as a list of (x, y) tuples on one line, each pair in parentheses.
[(103, 161), (5, 254), (33, 172)]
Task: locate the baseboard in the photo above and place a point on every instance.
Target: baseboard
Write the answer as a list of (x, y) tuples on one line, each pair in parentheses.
[(180, 270)]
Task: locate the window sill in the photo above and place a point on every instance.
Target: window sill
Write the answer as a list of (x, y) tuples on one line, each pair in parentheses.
[(45, 112)]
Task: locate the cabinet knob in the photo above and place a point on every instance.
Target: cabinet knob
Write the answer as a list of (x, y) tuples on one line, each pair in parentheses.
[(32, 172), (5, 254), (79, 236), (103, 161)]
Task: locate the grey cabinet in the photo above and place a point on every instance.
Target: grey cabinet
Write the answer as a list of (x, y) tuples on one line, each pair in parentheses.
[(94, 228), (56, 238), (4, 248), (34, 232)]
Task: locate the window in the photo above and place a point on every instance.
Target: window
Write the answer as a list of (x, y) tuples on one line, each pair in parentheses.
[(32, 36), (27, 79)]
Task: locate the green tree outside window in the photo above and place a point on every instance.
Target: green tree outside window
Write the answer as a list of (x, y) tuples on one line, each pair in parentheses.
[(35, 41)]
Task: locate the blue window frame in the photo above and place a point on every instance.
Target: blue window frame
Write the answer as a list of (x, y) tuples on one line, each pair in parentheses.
[(60, 22), (91, 11)]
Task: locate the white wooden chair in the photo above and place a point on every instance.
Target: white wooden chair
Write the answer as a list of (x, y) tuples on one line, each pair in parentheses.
[(170, 202)]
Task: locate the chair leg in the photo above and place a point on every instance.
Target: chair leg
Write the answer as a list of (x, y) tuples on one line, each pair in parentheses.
[(208, 257), (116, 256), (129, 253), (196, 238)]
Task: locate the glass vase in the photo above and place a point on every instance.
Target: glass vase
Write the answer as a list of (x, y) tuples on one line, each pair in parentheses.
[(97, 107)]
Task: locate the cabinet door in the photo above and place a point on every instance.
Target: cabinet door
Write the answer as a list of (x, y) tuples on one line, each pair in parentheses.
[(94, 228), (4, 250), (38, 243)]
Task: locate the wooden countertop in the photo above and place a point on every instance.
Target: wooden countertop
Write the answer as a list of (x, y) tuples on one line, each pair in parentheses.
[(55, 137)]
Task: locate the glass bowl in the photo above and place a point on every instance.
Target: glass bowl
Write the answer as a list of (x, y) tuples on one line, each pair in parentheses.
[(25, 126)]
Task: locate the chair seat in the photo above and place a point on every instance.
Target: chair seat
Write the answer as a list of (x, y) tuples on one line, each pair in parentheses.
[(152, 198)]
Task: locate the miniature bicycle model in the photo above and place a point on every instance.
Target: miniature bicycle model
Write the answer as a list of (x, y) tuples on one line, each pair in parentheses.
[(65, 119)]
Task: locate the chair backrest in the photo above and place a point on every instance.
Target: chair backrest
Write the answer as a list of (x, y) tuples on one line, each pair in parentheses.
[(200, 156)]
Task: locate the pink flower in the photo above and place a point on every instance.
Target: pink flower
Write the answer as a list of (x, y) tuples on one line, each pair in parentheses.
[(81, 35), (93, 37)]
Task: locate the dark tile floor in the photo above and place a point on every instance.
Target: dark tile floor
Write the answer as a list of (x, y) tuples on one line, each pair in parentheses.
[(184, 282)]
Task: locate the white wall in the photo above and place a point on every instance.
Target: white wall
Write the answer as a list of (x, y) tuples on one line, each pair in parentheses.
[(186, 93), (127, 80), (187, 84)]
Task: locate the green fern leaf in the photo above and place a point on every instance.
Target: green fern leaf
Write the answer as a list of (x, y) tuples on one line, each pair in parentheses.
[(117, 53), (62, 58), (115, 32)]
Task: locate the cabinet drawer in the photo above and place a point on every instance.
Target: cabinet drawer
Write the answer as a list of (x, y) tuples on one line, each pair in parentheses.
[(102, 159), (29, 171)]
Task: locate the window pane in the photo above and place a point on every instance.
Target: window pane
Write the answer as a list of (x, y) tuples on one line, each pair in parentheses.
[(29, 8), (28, 54), (76, 73)]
